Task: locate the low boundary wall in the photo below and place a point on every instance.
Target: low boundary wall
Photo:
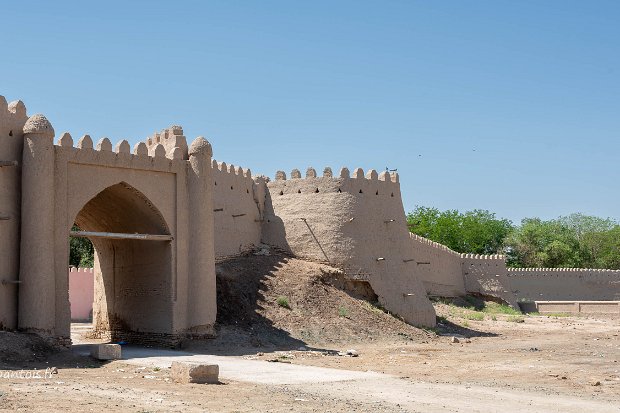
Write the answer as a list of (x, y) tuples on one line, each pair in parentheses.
[(81, 293), (573, 307)]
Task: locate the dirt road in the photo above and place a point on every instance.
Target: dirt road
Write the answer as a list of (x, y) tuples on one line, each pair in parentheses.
[(557, 364)]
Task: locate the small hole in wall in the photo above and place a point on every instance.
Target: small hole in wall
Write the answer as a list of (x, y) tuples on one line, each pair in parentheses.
[(281, 192), (247, 191), (231, 188), (339, 190), (10, 133), (215, 183), (299, 191), (361, 192), (392, 195), (317, 191), (377, 193)]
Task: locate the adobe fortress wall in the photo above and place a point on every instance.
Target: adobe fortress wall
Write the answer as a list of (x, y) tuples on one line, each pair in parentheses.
[(356, 223), (488, 275), (564, 284), (447, 273), (439, 268), (206, 210), (238, 203)]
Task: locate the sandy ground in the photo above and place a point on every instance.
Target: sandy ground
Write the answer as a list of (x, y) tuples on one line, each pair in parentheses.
[(545, 364)]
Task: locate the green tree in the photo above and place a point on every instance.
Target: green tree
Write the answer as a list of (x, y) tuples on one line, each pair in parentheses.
[(477, 231), (575, 240), (81, 251), (603, 248)]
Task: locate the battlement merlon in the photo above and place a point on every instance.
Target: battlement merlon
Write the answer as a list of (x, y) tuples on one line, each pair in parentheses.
[(224, 168), (358, 183), (12, 117), (170, 138), (358, 173)]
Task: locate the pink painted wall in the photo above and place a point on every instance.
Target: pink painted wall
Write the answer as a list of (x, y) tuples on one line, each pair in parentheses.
[(81, 293)]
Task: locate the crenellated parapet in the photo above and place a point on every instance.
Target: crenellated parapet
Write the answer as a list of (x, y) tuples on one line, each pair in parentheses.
[(231, 172), (384, 184), (82, 270), (172, 141), (425, 241), (119, 154), (484, 257), (12, 118), (564, 272)]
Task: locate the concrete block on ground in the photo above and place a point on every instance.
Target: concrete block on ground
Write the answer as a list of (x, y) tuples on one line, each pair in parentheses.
[(106, 351), (195, 373)]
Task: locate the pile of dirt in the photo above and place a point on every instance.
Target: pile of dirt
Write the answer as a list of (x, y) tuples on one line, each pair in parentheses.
[(23, 348), (284, 301)]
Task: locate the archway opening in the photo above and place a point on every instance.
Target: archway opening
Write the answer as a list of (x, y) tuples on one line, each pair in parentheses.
[(133, 288)]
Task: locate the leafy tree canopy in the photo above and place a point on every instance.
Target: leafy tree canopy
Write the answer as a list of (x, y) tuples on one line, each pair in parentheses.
[(81, 251), (477, 231), (576, 240)]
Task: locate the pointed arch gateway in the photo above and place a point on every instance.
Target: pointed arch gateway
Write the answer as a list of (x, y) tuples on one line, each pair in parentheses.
[(150, 216), (134, 289)]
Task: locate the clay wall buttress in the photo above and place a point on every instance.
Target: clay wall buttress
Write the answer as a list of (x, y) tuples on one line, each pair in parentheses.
[(12, 119), (356, 223)]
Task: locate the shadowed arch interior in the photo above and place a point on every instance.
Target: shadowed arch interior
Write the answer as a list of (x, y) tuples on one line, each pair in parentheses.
[(121, 208), (133, 278)]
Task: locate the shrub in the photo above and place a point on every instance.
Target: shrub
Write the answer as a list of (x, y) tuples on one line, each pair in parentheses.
[(475, 316), (496, 308), (283, 302)]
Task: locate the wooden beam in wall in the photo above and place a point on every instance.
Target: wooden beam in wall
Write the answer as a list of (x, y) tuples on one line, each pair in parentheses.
[(120, 235)]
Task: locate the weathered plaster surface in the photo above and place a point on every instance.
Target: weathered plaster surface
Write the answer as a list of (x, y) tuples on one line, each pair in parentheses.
[(439, 268), (237, 200), (12, 119)]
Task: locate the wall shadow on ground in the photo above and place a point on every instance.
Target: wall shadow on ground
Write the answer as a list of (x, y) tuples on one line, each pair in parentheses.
[(447, 328)]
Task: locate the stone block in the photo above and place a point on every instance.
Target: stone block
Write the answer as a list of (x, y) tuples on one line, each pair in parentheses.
[(106, 351), (195, 373)]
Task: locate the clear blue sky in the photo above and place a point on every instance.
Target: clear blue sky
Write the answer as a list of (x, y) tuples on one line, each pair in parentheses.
[(514, 106)]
